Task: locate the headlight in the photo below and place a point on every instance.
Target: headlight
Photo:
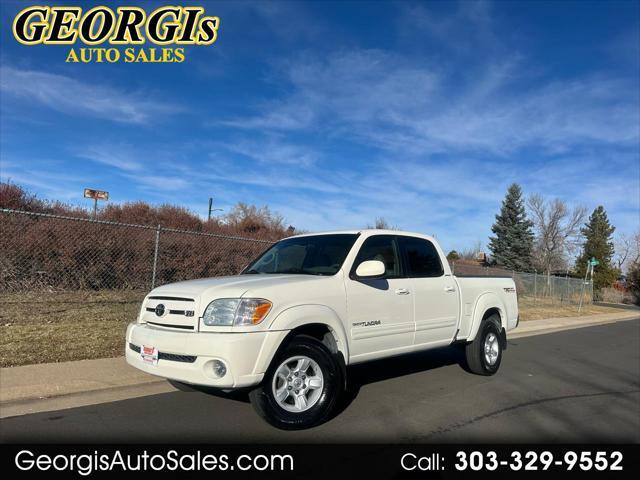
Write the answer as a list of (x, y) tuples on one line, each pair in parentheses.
[(236, 311)]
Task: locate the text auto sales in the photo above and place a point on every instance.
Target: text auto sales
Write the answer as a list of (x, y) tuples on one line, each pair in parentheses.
[(164, 26)]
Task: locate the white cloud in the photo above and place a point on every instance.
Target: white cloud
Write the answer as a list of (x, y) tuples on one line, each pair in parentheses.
[(462, 27), (68, 95), (51, 184), (160, 183), (116, 157), (132, 164), (404, 104), (272, 151)]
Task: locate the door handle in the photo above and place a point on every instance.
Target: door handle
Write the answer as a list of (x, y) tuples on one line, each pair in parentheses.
[(402, 291), (449, 289)]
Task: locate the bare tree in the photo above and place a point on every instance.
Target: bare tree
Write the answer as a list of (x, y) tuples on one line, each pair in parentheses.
[(260, 222), (627, 251), (557, 231), (473, 252), (381, 223)]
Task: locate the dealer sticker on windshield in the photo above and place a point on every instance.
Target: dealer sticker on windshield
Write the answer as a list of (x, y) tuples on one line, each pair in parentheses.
[(149, 355)]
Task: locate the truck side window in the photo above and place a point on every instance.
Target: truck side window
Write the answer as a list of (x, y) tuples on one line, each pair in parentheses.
[(422, 258), (383, 248)]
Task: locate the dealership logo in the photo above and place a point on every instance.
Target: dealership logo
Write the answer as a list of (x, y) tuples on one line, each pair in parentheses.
[(164, 26)]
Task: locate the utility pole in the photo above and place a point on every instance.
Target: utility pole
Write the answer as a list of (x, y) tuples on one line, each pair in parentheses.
[(211, 209)]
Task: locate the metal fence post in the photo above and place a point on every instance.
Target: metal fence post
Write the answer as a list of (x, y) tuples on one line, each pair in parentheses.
[(155, 257)]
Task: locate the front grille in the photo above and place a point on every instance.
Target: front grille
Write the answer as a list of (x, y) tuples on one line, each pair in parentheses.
[(173, 357), (188, 313)]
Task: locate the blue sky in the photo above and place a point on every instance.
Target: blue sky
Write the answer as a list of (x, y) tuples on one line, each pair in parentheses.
[(334, 113)]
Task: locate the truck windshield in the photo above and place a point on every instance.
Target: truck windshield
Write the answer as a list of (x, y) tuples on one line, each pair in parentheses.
[(312, 255)]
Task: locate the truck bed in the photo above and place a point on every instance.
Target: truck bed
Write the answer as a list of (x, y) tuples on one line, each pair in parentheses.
[(473, 288)]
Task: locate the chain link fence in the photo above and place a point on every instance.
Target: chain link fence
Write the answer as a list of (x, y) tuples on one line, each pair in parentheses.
[(44, 252), (69, 286), (59, 253), (78, 262), (535, 288)]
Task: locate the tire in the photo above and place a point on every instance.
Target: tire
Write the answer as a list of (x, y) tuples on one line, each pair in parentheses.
[(314, 372), (484, 353)]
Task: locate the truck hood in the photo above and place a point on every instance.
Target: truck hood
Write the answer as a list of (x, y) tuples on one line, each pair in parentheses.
[(230, 286)]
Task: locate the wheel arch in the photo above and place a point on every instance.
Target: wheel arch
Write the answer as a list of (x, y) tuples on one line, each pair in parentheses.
[(317, 321), (487, 304)]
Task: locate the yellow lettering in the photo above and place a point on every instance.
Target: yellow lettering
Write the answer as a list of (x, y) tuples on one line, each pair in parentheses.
[(72, 57), (130, 55)]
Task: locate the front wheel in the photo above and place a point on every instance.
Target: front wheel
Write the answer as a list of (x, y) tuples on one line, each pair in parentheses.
[(484, 353), (301, 387)]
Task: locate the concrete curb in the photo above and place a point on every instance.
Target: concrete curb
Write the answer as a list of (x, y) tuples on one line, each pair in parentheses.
[(551, 325), (26, 406), (33, 388), (47, 380)]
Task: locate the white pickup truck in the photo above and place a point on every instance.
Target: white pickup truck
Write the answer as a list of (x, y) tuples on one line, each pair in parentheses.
[(310, 305)]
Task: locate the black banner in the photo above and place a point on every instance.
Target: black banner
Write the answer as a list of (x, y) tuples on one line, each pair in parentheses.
[(320, 461)]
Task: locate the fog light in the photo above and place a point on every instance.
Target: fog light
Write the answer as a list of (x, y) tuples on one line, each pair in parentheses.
[(219, 368)]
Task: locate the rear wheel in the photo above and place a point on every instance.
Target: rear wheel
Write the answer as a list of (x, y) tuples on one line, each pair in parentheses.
[(301, 387), (484, 353)]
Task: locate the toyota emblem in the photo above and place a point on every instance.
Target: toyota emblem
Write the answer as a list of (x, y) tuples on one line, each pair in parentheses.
[(160, 310)]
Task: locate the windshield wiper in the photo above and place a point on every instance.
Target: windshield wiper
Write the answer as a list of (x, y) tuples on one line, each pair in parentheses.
[(294, 270), (301, 271)]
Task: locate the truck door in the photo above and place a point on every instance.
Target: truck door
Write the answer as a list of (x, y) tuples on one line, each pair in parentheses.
[(379, 311), (436, 304)]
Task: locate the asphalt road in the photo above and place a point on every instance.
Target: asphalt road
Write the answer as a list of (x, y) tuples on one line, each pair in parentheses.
[(580, 385)]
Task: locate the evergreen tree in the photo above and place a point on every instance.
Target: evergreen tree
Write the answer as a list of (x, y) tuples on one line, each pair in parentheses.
[(512, 243), (452, 256), (599, 245)]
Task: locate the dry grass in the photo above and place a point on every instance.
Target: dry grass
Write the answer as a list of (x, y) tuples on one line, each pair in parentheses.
[(530, 310), (58, 327)]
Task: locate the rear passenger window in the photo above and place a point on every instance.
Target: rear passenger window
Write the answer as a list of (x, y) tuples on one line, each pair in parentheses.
[(422, 257), (383, 248)]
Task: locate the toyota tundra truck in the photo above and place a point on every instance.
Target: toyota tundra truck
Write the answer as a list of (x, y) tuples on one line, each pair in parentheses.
[(288, 326)]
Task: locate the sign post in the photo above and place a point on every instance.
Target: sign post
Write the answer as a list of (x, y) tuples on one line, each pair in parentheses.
[(590, 264), (96, 195)]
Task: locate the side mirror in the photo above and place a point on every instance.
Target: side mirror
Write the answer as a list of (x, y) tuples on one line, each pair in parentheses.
[(370, 269)]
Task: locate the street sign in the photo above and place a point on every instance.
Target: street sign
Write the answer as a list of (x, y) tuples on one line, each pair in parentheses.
[(96, 194), (594, 262)]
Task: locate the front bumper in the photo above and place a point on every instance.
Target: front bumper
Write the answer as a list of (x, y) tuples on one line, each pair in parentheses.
[(246, 355)]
